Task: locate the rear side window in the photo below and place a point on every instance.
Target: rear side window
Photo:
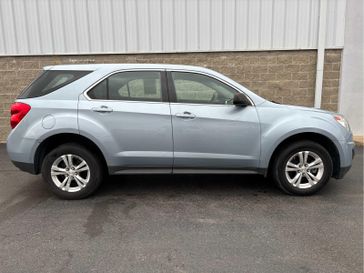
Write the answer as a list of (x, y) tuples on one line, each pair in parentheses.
[(51, 80), (135, 86)]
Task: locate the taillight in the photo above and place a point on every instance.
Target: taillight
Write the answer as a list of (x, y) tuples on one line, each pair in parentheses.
[(18, 110)]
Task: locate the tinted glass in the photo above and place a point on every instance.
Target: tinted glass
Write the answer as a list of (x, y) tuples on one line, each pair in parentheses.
[(99, 92), (51, 80), (137, 86), (196, 88)]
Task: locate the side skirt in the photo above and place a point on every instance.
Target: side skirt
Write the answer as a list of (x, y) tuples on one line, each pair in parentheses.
[(117, 170)]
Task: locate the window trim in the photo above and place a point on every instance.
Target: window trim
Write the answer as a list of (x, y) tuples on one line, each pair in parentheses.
[(168, 93), (172, 90), (164, 92)]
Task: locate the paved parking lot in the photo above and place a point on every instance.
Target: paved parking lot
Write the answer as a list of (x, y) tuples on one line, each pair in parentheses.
[(189, 223)]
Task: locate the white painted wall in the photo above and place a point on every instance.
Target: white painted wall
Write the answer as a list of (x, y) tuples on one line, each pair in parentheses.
[(351, 99), (32, 27)]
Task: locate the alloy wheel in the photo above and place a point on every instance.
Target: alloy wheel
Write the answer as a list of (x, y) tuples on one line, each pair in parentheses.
[(304, 169), (70, 173)]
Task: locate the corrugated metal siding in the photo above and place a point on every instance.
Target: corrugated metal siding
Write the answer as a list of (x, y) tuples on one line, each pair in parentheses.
[(129, 26)]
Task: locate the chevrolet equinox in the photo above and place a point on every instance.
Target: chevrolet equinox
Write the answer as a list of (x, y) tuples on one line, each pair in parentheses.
[(76, 124)]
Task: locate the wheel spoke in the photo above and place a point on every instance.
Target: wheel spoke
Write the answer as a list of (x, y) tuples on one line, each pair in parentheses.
[(300, 156), (58, 171), (86, 168), (317, 163), (82, 164), (82, 180), (65, 160), (305, 156), (290, 164), (298, 182), (64, 182), (313, 177), (70, 160), (68, 183), (82, 167), (318, 166), (296, 178), (78, 181), (310, 180), (291, 167)]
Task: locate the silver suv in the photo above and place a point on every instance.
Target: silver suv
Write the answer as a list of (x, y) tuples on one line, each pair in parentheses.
[(77, 123)]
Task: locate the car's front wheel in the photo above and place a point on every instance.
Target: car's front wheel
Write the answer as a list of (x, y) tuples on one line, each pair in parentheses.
[(302, 168), (71, 171)]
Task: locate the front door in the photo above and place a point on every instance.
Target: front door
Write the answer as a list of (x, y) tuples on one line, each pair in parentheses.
[(209, 132)]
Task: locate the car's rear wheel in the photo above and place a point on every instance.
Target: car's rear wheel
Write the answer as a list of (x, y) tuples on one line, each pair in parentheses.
[(302, 168), (71, 171)]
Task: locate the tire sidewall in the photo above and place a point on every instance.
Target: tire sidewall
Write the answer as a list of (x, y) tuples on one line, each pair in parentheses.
[(288, 152), (91, 160)]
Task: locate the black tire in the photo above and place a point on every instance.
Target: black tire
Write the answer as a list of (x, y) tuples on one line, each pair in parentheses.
[(279, 168), (96, 172)]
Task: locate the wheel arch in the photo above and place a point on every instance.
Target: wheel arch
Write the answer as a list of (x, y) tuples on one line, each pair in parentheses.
[(53, 141), (321, 139)]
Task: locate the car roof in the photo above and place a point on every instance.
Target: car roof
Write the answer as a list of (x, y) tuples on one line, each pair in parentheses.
[(121, 66)]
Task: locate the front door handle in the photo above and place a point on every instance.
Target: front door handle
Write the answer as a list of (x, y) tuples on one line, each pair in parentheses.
[(185, 115), (102, 109)]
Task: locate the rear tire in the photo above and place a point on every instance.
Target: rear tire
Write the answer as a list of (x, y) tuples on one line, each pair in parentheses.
[(72, 171), (302, 168)]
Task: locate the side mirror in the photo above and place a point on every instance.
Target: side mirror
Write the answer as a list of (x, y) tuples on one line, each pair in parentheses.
[(241, 100)]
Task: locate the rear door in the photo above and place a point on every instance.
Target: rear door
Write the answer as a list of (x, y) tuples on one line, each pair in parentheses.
[(209, 132), (130, 114)]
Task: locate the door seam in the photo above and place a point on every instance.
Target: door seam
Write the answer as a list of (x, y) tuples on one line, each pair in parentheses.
[(170, 115)]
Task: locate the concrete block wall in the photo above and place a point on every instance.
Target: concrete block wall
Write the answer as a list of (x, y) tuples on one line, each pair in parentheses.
[(283, 76)]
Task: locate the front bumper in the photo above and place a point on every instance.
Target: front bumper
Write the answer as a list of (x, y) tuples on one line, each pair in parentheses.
[(343, 170)]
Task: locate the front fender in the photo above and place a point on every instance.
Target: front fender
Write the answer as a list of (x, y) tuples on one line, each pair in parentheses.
[(274, 133)]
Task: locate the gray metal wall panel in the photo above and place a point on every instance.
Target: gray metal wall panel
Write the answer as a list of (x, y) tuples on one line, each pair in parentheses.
[(131, 26)]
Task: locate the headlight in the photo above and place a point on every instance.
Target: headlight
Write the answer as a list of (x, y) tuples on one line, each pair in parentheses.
[(342, 121)]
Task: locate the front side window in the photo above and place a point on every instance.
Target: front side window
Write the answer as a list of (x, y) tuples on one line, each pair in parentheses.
[(51, 80), (135, 85), (196, 88)]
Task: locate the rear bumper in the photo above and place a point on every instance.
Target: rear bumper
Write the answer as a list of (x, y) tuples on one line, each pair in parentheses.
[(21, 150), (25, 167)]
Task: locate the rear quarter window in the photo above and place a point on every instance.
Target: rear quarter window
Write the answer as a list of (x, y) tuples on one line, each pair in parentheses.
[(51, 80)]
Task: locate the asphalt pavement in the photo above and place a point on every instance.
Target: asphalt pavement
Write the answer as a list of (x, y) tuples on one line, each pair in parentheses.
[(181, 223)]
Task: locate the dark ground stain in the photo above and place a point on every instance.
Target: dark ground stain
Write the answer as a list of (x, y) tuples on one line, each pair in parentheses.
[(67, 262), (304, 269), (101, 215), (34, 195), (128, 208)]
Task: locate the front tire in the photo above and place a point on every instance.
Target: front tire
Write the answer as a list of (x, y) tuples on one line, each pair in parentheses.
[(302, 168), (72, 171)]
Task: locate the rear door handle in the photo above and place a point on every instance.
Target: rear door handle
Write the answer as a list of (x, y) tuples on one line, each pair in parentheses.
[(185, 115), (102, 109)]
